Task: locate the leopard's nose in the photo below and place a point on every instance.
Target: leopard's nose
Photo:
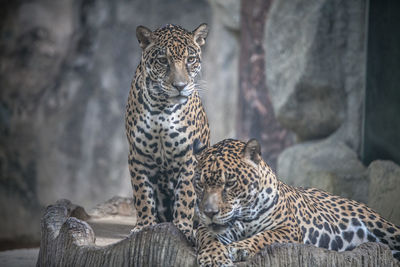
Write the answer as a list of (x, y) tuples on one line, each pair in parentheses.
[(179, 85), (210, 212)]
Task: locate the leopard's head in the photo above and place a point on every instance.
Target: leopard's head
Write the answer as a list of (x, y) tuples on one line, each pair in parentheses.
[(171, 58), (227, 182)]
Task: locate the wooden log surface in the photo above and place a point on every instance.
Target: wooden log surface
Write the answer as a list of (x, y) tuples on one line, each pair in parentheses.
[(71, 237)]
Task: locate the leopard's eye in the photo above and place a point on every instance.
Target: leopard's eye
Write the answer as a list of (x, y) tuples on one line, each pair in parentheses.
[(230, 180), (191, 59), (229, 183), (162, 60)]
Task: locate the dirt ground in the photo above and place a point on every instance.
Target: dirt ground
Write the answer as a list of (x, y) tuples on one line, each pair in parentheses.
[(19, 257)]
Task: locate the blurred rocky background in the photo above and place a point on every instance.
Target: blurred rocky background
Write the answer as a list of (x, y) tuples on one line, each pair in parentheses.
[(316, 76), (316, 66), (292, 74), (65, 72)]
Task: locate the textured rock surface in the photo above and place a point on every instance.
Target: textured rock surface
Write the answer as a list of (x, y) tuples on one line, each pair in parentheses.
[(326, 165), (69, 241), (35, 40), (65, 73), (384, 188), (221, 69), (315, 67)]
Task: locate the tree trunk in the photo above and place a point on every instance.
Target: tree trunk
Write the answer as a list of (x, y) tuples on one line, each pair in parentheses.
[(256, 118), (69, 241)]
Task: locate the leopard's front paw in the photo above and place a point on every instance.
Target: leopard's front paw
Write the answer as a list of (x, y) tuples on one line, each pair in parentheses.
[(238, 253), (139, 227), (211, 258), (186, 229)]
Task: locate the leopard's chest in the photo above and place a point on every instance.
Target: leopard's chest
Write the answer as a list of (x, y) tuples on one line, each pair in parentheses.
[(163, 139), (254, 218), (240, 230)]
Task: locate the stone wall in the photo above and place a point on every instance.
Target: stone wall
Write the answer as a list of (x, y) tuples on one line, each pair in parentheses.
[(315, 69), (221, 69), (65, 72)]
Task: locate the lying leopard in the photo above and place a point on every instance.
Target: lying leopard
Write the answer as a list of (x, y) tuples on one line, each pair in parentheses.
[(164, 116), (242, 207)]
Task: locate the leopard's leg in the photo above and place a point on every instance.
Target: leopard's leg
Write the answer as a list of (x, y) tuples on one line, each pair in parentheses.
[(185, 199), (164, 201), (143, 196), (210, 251), (243, 249)]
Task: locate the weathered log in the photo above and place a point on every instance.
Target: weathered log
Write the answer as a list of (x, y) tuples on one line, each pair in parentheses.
[(71, 241)]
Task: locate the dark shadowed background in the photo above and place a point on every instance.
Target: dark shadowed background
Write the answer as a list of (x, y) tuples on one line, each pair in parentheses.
[(316, 81)]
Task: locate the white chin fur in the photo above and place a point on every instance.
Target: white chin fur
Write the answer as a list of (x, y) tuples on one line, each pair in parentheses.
[(180, 99)]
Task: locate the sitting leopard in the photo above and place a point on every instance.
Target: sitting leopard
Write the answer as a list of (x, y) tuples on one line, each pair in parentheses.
[(164, 115), (242, 207)]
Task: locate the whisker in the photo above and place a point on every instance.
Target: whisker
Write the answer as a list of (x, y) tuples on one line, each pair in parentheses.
[(201, 87)]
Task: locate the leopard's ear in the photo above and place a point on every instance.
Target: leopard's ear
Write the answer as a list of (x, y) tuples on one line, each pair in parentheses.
[(198, 147), (200, 34), (252, 152), (143, 35)]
